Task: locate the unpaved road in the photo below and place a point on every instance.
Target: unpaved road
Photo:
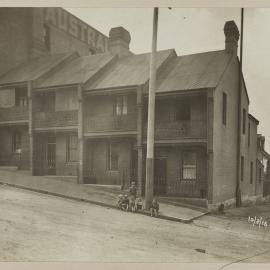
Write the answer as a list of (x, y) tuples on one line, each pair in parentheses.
[(38, 227)]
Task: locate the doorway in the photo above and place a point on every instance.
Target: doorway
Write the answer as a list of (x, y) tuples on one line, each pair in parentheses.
[(51, 154), (160, 175)]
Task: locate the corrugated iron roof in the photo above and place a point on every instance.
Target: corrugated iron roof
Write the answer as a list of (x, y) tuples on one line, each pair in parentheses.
[(33, 68), (196, 71), (78, 70), (128, 71)]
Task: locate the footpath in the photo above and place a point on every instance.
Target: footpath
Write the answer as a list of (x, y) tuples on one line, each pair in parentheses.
[(99, 195)]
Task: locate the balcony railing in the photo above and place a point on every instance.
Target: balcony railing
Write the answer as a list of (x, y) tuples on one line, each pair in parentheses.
[(178, 130), (55, 119), (103, 123), (14, 114)]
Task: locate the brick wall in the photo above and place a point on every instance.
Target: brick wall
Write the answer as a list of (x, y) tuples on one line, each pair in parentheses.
[(225, 141), (225, 136), (15, 31), (22, 35)]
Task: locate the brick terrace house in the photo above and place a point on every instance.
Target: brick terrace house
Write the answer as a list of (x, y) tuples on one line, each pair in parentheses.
[(87, 116)]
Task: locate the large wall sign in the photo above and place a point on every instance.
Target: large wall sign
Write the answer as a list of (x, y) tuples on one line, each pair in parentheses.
[(75, 27)]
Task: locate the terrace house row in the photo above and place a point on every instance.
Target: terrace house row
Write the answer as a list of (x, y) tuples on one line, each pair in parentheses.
[(87, 116)]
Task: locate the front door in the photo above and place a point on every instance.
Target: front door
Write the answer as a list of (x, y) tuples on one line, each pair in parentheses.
[(160, 174), (51, 153), (40, 153)]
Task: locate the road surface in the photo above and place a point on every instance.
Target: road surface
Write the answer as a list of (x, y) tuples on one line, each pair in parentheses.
[(38, 227)]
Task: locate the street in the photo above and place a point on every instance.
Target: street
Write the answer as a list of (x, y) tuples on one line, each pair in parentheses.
[(38, 227)]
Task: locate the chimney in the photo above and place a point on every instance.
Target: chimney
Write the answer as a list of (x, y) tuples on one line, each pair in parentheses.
[(119, 39), (231, 37)]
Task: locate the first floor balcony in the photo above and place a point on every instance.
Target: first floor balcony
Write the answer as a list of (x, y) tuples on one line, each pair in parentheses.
[(55, 119), (107, 123), (179, 130), (13, 114)]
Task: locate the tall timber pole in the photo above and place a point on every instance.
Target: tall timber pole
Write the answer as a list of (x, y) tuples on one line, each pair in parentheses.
[(238, 190), (149, 185)]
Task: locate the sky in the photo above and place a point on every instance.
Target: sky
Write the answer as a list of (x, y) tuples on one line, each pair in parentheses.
[(194, 30)]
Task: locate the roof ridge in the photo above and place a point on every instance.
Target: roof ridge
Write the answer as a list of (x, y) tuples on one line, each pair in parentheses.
[(200, 53), (140, 54)]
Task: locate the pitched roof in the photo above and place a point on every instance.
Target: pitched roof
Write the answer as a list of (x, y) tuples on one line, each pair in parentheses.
[(128, 71), (79, 70), (196, 71), (33, 68)]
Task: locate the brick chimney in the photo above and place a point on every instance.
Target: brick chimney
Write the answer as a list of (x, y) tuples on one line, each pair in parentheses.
[(119, 40), (231, 37)]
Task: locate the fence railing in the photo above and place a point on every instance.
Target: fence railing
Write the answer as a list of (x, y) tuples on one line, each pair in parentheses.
[(188, 188), (14, 113), (110, 123), (55, 119)]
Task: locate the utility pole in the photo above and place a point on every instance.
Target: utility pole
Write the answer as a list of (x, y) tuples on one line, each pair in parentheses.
[(149, 185), (238, 190)]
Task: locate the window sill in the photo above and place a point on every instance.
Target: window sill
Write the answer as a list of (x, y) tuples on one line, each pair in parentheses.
[(71, 162)]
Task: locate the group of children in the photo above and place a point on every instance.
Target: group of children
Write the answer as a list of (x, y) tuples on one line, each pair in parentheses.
[(133, 204)]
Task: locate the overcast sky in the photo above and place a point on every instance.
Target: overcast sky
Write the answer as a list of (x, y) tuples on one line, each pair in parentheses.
[(194, 30)]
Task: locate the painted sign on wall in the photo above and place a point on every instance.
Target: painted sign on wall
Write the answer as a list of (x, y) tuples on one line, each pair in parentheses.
[(77, 28)]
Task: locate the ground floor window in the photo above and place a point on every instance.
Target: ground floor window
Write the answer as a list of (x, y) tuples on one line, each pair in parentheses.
[(72, 148), (251, 172), (260, 175), (189, 166), (112, 156), (242, 168), (16, 141)]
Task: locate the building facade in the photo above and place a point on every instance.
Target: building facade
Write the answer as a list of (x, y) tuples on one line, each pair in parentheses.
[(42, 31), (86, 116)]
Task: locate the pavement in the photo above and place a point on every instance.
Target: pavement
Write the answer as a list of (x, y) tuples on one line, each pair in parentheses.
[(106, 196)]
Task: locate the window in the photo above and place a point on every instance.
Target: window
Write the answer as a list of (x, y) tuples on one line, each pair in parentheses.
[(16, 141), (244, 121), (112, 159), (242, 168), (21, 97), (47, 37), (251, 172), (120, 105), (260, 175), (189, 166), (72, 148), (182, 111), (224, 109), (248, 134)]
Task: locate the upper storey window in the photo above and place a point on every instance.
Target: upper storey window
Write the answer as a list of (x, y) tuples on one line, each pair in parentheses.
[(120, 105), (21, 97), (47, 37)]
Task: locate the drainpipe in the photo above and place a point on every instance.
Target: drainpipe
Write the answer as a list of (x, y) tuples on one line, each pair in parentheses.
[(238, 190)]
